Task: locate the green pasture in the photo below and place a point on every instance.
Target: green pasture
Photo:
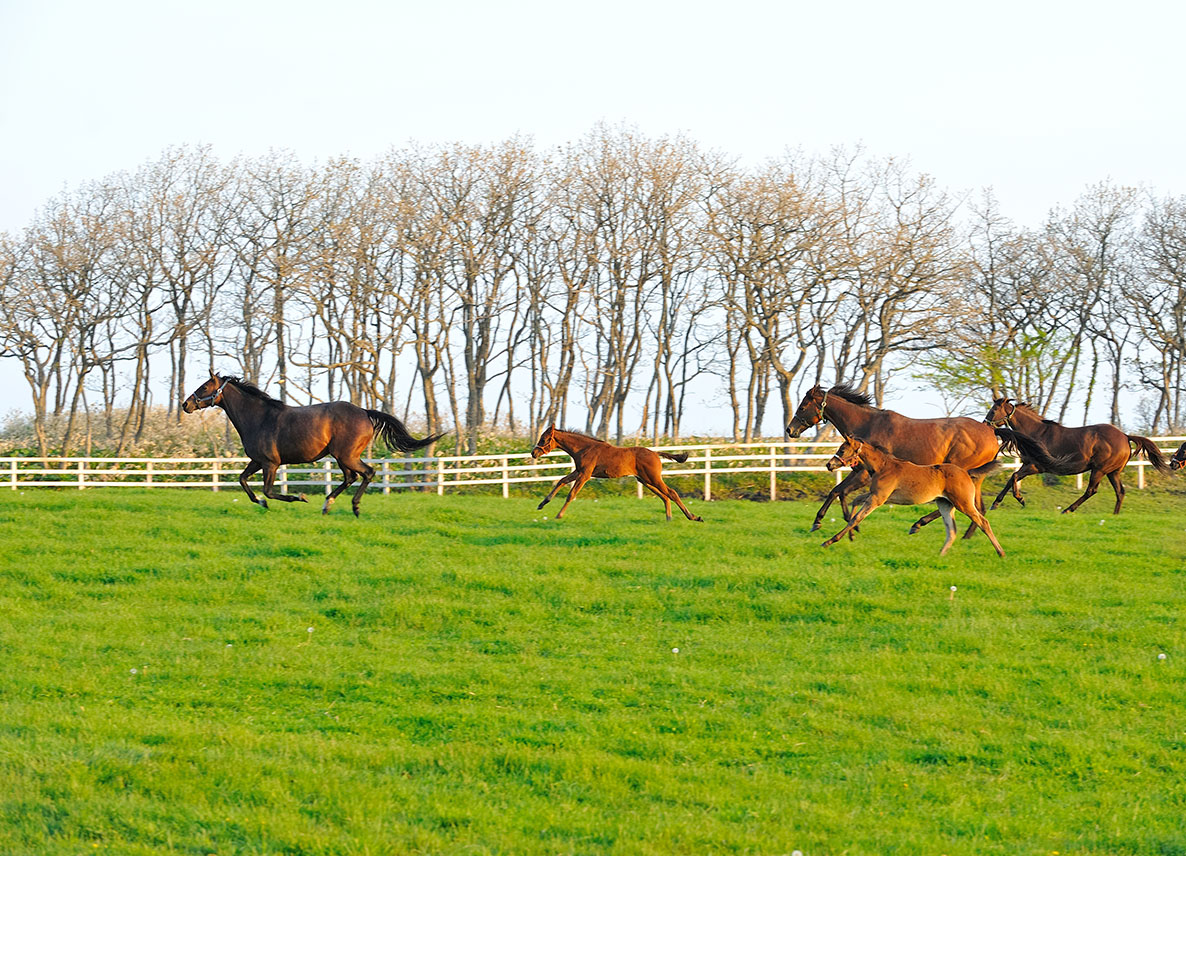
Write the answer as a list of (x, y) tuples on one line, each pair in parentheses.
[(183, 672)]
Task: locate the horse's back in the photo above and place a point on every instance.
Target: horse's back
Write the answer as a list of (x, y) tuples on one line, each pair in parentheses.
[(927, 441), (312, 431)]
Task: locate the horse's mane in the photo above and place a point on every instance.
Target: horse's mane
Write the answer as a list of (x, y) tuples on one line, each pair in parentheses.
[(579, 434), (1033, 410), (851, 394), (250, 389)]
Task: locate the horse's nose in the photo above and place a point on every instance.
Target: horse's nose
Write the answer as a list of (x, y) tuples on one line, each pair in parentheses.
[(792, 431), (189, 407)]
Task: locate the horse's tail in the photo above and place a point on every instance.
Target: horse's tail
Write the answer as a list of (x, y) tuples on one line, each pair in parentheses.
[(1152, 452), (1033, 452), (391, 429), (678, 456), (984, 470)]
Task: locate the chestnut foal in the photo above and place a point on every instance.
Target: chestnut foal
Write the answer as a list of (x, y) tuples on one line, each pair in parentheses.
[(905, 483), (595, 458)]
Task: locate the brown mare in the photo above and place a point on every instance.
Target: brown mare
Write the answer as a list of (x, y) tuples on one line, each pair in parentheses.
[(595, 458), (276, 434), (1102, 449), (905, 483), (965, 442)]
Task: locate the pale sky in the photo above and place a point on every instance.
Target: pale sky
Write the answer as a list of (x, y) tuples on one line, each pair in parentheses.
[(1037, 100)]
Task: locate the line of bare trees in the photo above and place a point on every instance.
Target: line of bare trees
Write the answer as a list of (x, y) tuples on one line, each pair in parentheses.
[(607, 283)]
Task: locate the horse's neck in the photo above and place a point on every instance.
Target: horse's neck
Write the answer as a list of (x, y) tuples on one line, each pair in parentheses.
[(848, 418), (246, 413), (876, 462), (1027, 422), (571, 443)]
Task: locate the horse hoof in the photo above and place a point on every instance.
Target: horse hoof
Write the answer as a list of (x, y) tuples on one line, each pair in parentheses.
[(815, 527), (698, 518), (540, 506), (301, 498), (356, 513), (913, 529)]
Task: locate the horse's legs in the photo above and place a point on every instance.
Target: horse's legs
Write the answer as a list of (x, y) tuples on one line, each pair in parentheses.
[(654, 481), (871, 503), (1092, 485), (662, 495), (978, 484), (572, 476), (925, 520), (855, 479), (979, 521), (348, 476), (252, 467), (368, 475), (270, 479), (1117, 487), (580, 483), (948, 522), (1014, 483)]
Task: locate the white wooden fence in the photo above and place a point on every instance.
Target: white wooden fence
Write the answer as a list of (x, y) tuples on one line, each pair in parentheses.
[(440, 471)]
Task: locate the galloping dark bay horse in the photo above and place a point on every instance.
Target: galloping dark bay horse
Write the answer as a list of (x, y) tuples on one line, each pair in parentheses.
[(965, 442), (595, 458), (1102, 449), (275, 434)]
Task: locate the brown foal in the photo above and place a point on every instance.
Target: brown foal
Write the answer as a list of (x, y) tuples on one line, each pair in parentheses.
[(905, 483), (595, 458)]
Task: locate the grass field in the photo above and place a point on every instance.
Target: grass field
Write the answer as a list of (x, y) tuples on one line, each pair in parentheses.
[(186, 673)]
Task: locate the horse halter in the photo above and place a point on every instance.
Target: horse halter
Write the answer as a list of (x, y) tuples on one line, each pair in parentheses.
[(1006, 421), (214, 398)]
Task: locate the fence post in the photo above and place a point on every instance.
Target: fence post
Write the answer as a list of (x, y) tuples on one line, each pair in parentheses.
[(708, 474), (328, 477), (440, 475), (386, 476), (773, 484), (1079, 481), (639, 489), (217, 466), (81, 471), (1140, 474), (283, 479), (12, 472), (148, 471), (506, 478)]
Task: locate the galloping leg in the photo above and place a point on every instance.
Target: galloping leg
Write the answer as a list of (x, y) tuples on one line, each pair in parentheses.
[(978, 484), (252, 467), (949, 524), (1117, 487), (980, 521), (270, 479), (1014, 484), (925, 520), (572, 476), (368, 474), (580, 483), (855, 479), (1092, 485), (871, 503), (662, 495), (348, 476)]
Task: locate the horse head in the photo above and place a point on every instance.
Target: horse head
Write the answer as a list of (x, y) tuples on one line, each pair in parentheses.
[(546, 443), (207, 396), (848, 455), (809, 413), (1001, 411)]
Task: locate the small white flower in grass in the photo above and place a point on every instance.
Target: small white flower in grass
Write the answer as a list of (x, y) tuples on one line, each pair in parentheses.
[(309, 630), (1161, 656), (1101, 521), (796, 852), (673, 650), (133, 670)]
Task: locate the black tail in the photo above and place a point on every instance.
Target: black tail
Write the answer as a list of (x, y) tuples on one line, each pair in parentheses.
[(1033, 452), (391, 429), (678, 456), (1152, 452), (984, 470)]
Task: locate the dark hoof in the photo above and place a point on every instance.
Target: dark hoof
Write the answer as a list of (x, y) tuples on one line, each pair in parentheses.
[(1020, 502), (356, 513), (815, 527), (698, 519), (913, 529), (540, 506), (301, 498), (325, 511), (994, 506)]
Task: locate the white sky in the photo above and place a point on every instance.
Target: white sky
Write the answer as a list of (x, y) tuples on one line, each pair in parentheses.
[(1036, 99)]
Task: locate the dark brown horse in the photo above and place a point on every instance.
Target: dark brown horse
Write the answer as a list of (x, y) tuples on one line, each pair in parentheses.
[(595, 458), (905, 483), (1179, 458), (275, 434), (965, 442), (1102, 449)]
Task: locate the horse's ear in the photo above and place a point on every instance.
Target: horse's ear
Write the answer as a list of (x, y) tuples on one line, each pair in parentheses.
[(212, 374)]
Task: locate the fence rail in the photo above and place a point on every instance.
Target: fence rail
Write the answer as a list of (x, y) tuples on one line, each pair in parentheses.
[(440, 471)]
